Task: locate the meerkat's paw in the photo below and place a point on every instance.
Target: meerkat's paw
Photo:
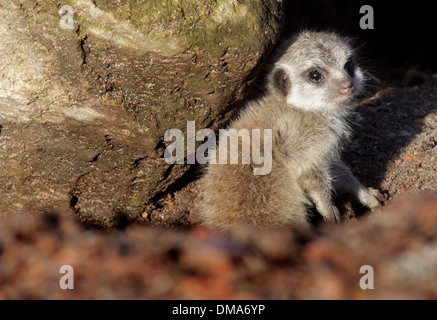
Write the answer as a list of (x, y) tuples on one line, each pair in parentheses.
[(331, 214), (370, 197)]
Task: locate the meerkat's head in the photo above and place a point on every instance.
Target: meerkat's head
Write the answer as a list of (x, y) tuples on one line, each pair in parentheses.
[(317, 72)]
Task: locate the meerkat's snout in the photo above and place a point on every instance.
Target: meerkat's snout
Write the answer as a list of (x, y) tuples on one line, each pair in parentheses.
[(354, 73), (342, 91), (346, 87)]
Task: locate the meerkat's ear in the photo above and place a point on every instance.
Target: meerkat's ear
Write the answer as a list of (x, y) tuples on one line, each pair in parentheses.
[(280, 81)]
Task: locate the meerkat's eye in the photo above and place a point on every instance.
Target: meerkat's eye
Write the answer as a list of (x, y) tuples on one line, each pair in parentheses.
[(315, 76), (349, 67)]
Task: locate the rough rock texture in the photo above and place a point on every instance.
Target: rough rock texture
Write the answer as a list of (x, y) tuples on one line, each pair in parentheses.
[(399, 243), (83, 112)]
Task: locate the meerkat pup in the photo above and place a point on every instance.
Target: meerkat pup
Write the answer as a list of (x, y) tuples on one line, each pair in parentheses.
[(310, 93)]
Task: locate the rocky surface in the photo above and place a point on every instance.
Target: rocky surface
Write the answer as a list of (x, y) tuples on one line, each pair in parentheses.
[(83, 111)]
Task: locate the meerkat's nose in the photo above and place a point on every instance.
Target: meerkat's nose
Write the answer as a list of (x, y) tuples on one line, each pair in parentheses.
[(346, 87)]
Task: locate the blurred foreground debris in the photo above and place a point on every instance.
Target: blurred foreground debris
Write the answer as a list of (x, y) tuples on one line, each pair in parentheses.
[(139, 262)]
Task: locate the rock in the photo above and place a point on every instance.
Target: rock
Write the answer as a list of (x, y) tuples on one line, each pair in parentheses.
[(83, 111)]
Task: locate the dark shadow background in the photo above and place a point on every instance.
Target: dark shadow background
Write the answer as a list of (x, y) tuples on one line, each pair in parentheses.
[(404, 32)]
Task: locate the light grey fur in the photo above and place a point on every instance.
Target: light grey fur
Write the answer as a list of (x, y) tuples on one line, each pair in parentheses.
[(309, 123)]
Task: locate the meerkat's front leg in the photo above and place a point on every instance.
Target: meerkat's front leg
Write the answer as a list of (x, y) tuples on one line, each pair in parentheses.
[(345, 182), (318, 187)]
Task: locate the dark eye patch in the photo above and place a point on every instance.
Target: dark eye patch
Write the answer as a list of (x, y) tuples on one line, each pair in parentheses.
[(350, 68)]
